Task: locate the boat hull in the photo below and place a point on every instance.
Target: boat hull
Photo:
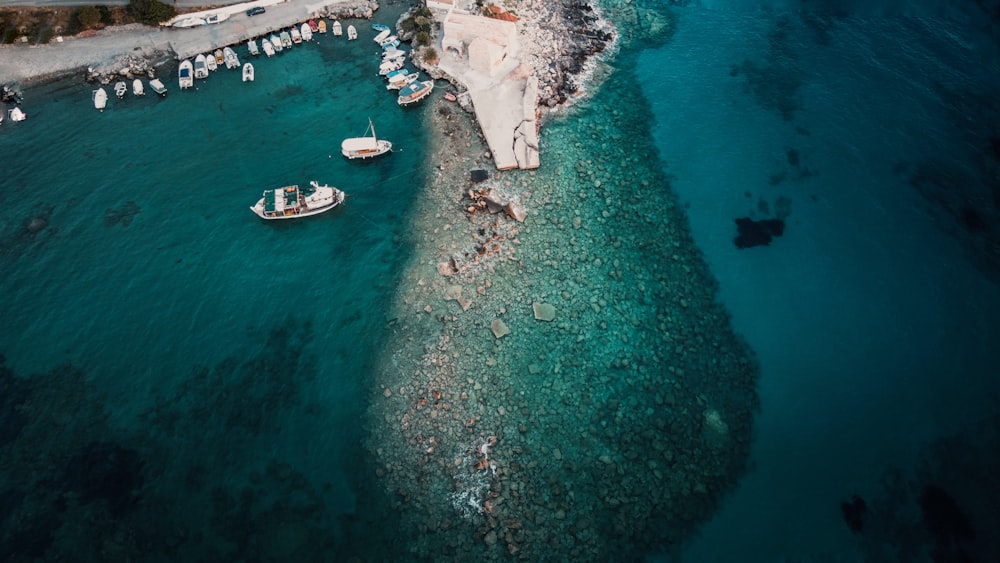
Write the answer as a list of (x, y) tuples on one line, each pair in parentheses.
[(323, 199)]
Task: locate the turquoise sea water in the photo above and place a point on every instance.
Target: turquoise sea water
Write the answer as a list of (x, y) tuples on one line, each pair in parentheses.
[(191, 382)]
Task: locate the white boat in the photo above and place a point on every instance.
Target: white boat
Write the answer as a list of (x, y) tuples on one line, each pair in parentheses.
[(216, 17), (211, 64), (399, 78), (184, 74), (338, 30), (266, 46), (391, 65), (352, 33), (382, 35), (286, 40), (415, 92), (200, 67), (137, 89), (296, 36), (367, 146), (15, 114), (393, 53), (100, 97), (157, 86), (391, 40), (248, 72), (232, 61), (292, 202), (276, 43), (307, 33), (189, 21), (120, 89), (252, 47)]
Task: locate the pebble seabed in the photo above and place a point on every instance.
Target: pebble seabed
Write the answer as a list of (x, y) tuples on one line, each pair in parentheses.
[(611, 430)]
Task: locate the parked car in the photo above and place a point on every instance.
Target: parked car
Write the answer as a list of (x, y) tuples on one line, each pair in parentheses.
[(255, 10)]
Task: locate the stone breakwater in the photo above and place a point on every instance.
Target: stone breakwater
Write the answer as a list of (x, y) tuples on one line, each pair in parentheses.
[(562, 387)]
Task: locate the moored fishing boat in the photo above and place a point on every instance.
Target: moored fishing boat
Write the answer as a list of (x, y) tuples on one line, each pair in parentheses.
[(156, 85), (220, 57), (120, 89), (313, 27), (399, 78), (277, 44), (286, 40), (247, 72), (210, 63), (252, 47), (267, 47), (390, 65), (380, 27), (137, 88), (352, 33), (200, 67), (367, 146), (414, 92), (296, 35), (322, 26), (100, 97), (382, 35), (184, 74), (306, 32), (337, 28), (292, 202)]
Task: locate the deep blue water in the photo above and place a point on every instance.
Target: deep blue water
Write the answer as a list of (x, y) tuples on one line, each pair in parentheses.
[(151, 314)]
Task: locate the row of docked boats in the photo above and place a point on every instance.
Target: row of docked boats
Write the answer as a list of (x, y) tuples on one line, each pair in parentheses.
[(203, 64), (100, 95), (411, 88)]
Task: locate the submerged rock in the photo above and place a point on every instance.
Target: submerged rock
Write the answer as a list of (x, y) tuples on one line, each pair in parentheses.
[(544, 312), (499, 328), (757, 233)]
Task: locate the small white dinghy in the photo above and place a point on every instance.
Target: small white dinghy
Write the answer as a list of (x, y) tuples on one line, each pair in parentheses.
[(247, 72), (100, 97), (352, 33), (337, 29), (120, 89), (137, 88), (15, 114)]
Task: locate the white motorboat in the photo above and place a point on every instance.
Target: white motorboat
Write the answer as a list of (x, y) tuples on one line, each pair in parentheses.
[(232, 61), (286, 40), (137, 88), (15, 114), (352, 33), (382, 35), (337, 28), (247, 72), (391, 40), (415, 92), (392, 53), (200, 67), (292, 202), (211, 64), (184, 74), (367, 146), (252, 47), (277, 44), (100, 97), (157, 86), (399, 78), (391, 65), (296, 36), (306, 31), (121, 89), (266, 46)]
